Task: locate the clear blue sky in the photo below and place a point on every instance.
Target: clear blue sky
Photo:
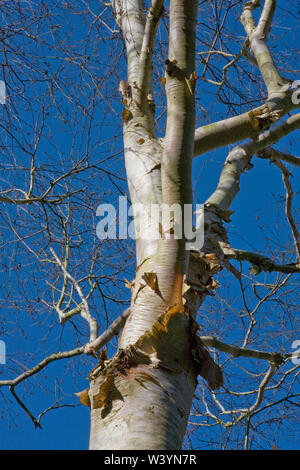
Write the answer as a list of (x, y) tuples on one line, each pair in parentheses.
[(255, 225)]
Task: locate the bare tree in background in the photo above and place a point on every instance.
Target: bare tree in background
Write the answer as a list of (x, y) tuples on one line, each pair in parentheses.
[(183, 78)]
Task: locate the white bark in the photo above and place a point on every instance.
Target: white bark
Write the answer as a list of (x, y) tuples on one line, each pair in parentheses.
[(141, 398), (159, 376)]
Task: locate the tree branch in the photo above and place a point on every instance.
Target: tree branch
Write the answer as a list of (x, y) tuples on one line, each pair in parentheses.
[(108, 334), (35, 421), (131, 21), (145, 73), (85, 310), (238, 128), (178, 143), (88, 348), (239, 158), (274, 154), (259, 262), (258, 42), (288, 205), (37, 368), (273, 358)]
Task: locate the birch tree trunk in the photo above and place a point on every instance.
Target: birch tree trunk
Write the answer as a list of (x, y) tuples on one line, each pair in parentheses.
[(141, 398)]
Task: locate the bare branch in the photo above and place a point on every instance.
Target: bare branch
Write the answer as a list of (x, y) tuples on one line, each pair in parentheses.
[(288, 205), (235, 351), (274, 154), (238, 128), (266, 17), (239, 158), (234, 129), (259, 262), (145, 74), (258, 42), (55, 406), (261, 390), (131, 20), (105, 337), (35, 421), (88, 348), (85, 310), (37, 368)]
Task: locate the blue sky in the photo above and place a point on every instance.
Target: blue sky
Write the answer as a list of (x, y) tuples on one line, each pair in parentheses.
[(29, 328)]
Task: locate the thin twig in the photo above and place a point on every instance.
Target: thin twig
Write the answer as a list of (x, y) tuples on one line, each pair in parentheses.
[(288, 205), (85, 311)]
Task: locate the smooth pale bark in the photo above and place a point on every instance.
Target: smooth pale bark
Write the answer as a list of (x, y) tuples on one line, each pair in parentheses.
[(239, 158), (142, 151), (246, 125), (131, 20), (258, 42), (178, 143)]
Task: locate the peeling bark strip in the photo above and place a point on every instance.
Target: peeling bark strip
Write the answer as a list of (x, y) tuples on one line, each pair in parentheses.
[(156, 370), (158, 348), (148, 381)]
